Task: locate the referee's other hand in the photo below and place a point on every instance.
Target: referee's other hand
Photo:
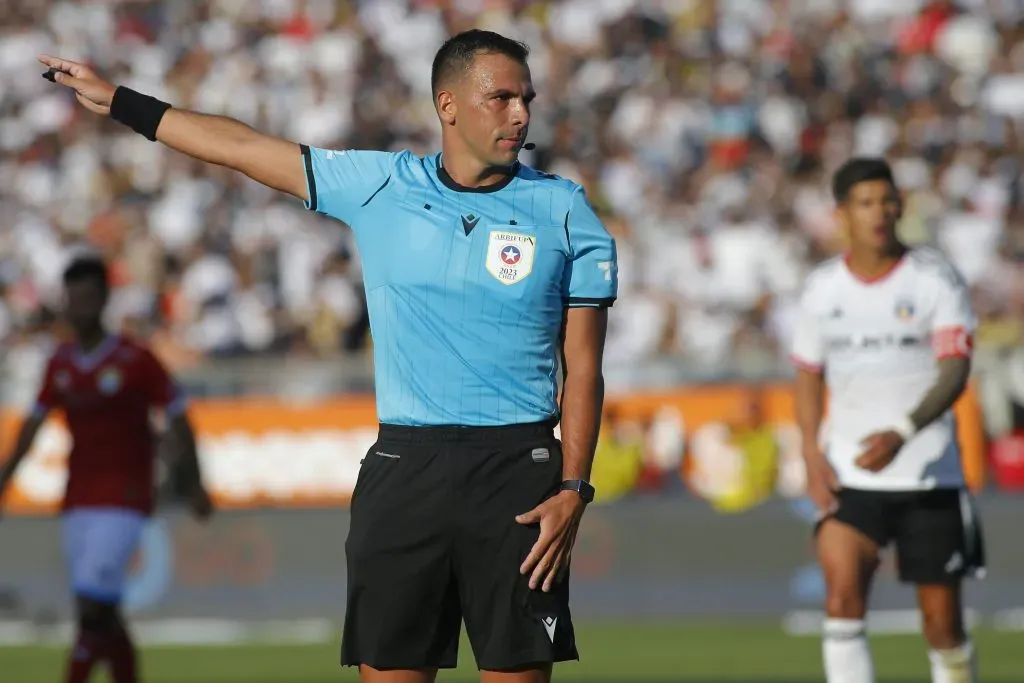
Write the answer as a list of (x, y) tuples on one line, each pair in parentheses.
[(91, 91), (559, 521)]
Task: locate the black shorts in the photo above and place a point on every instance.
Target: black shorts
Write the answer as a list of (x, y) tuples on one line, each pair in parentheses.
[(434, 541), (937, 533)]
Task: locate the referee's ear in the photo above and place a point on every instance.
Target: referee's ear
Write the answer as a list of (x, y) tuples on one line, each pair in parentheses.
[(446, 107)]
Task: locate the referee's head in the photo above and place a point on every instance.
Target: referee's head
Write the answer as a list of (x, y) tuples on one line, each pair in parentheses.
[(482, 91)]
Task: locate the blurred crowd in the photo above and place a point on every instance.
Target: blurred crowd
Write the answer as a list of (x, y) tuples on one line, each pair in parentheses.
[(705, 133)]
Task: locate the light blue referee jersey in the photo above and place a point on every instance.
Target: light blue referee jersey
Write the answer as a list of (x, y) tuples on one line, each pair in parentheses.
[(466, 287)]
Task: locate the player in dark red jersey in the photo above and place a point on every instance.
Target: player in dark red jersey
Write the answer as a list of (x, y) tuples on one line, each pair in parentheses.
[(106, 386)]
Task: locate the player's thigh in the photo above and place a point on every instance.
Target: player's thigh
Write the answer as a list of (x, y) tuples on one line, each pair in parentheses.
[(528, 673), (512, 628), (100, 544), (938, 538), (402, 610), (848, 544)]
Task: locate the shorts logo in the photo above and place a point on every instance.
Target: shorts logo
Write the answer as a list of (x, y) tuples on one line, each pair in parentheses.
[(956, 562), (387, 455), (540, 455), (510, 256), (549, 626), (109, 381)]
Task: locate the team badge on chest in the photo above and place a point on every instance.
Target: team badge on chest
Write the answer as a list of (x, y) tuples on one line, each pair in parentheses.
[(108, 381), (510, 255)]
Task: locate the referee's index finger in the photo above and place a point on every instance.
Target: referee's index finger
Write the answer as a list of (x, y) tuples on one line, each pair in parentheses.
[(75, 69)]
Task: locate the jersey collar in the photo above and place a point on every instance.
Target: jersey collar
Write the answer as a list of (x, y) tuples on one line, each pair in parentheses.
[(450, 183)]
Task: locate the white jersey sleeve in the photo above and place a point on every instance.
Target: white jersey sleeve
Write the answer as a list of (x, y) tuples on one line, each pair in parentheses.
[(808, 346)]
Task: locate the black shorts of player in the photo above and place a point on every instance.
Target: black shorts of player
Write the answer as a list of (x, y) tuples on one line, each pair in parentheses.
[(433, 541), (936, 533)]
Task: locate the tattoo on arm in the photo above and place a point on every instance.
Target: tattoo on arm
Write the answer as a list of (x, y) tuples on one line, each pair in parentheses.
[(951, 382)]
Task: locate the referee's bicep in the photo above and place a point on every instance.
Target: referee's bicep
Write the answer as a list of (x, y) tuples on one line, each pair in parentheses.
[(592, 273), (340, 183)]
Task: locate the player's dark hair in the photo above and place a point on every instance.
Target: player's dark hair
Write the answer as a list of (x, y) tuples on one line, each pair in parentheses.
[(454, 57), (87, 268), (859, 170)]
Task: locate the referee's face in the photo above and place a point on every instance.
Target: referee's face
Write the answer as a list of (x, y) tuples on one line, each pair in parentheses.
[(492, 108)]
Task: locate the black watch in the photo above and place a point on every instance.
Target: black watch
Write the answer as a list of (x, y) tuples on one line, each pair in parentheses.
[(581, 487)]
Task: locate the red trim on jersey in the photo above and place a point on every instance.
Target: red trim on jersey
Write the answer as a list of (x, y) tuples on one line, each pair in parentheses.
[(952, 342), (801, 364), (877, 278)]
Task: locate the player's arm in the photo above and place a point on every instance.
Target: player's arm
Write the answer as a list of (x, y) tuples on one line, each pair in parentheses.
[(181, 442), (46, 401), (808, 355), (179, 436), (952, 342), (22, 445), (218, 140)]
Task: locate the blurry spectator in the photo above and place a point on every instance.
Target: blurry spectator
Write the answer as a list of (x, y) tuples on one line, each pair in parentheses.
[(704, 132)]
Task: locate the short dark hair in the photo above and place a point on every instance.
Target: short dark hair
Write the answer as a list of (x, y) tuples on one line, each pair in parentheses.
[(859, 170), (84, 268), (457, 53)]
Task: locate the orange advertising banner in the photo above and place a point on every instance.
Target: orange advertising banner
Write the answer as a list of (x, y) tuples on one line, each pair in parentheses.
[(259, 453)]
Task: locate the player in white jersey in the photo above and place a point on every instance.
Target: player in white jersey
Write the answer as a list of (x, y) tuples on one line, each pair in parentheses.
[(887, 331)]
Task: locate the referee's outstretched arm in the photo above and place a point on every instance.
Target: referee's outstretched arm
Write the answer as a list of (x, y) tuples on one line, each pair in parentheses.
[(219, 140)]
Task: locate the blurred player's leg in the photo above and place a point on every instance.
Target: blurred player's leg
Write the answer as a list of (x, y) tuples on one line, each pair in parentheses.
[(848, 560), (99, 544), (367, 674), (951, 653), (529, 673), (939, 543)]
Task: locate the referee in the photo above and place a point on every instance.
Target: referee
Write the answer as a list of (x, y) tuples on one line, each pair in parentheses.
[(478, 272)]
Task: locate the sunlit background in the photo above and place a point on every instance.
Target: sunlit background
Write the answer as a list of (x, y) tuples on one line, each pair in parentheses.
[(705, 134)]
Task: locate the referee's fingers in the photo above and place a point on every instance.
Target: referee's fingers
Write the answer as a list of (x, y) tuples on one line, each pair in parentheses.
[(65, 67)]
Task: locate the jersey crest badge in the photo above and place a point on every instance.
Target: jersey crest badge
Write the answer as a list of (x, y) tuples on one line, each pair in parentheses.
[(905, 309), (108, 381), (510, 256)]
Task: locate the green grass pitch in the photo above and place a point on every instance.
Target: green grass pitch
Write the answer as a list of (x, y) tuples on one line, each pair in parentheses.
[(642, 653)]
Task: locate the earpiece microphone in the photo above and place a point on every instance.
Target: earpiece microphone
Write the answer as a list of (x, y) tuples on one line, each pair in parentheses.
[(529, 145)]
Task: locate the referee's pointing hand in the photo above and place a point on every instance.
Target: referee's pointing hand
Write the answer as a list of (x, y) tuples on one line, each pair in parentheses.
[(91, 91), (559, 519)]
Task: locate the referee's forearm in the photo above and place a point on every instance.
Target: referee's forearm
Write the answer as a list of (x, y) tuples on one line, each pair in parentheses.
[(211, 138), (228, 142), (582, 401)]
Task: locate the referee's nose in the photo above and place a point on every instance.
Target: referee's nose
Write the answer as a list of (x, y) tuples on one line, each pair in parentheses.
[(520, 112)]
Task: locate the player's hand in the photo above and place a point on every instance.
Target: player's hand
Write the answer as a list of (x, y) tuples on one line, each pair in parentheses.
[(559, 519), (822, 484), (880, 449), (91, 91), (201, 504)]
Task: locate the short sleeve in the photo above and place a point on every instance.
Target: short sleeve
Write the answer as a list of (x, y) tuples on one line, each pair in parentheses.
[(47, 399), (808, 345), (340, 183), (160, 388), (953, 321), (592, 277)]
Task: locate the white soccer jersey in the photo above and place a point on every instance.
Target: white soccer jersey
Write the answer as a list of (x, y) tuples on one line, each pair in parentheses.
[(878, 343)]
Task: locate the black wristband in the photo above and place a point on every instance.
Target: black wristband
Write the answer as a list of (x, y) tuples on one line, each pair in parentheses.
[(139, 112)]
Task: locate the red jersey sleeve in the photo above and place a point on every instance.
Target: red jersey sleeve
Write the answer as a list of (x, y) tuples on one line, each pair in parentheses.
[(160, 388), (47, 399)]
